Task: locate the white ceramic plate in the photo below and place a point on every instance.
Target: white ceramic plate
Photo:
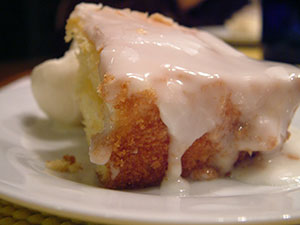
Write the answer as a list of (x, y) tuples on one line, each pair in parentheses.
[(28, 139)]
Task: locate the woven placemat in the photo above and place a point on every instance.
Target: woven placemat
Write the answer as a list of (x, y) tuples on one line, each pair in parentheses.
[(12, 214)]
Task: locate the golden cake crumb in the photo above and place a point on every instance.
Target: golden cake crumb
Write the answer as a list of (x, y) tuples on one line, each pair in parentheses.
[(162, 19), (66, 164)]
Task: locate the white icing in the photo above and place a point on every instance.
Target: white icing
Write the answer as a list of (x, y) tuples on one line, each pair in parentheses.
[(53, 86), (178, 187), (114, 171), (182, 65), (99, 154)]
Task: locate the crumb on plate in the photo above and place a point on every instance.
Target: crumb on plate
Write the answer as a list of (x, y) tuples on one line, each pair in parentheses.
[(66, 164)]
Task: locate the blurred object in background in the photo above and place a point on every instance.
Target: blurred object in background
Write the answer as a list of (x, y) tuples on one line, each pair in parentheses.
[(247, 22), (243, 27), (281, 30)]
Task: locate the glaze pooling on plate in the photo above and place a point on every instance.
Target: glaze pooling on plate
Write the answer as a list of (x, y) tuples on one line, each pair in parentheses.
[(191, 71), (275, 169)]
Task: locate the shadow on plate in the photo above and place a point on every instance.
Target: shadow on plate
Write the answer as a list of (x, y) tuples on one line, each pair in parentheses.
[(49, 140)]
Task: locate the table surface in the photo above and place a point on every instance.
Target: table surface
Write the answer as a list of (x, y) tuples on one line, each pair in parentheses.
[(11, 214)]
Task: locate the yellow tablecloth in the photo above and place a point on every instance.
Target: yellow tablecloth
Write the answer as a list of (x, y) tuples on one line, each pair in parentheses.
[(11, 214)]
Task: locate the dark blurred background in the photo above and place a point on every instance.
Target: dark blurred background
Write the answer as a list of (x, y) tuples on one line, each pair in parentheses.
[(33, 30)]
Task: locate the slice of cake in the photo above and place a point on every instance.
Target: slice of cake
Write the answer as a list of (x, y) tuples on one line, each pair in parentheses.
[(161, 101)]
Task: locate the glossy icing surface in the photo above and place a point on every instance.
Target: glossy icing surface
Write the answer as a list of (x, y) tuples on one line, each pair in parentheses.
[(191, 72)]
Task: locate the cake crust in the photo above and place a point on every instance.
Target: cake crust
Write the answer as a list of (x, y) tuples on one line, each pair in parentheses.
[(139, 143)]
